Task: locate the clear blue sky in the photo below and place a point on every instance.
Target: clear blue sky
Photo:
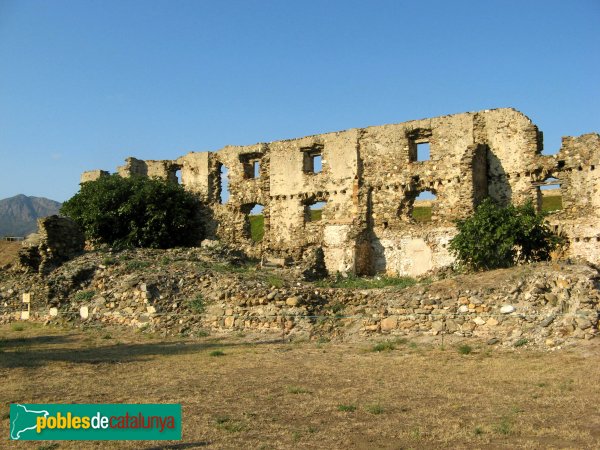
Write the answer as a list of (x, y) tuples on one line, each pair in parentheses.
[(84, 84)]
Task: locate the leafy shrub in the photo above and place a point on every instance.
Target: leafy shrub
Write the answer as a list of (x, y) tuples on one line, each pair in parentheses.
[(496, 236), (135, 212)]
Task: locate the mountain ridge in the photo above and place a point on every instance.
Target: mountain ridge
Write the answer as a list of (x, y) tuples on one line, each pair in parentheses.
[(19, 214)]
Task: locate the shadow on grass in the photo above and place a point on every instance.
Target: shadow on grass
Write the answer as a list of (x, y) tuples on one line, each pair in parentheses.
[(23, 355), (36, 340), (179, 446)]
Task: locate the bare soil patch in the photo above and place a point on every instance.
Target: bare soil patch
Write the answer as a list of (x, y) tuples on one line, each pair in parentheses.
[(274, 395), (8, 252)]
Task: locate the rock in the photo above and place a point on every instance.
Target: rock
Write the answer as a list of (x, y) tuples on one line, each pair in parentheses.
[(493, 341), (451, 326), (463, 309), (479, 321), (468, 326), (53, 312), (583, 323), (389, 323), (293, 301), (491, 322), (547, 321), (579, 333), (507, 309), (437, 326), (84, 312), (151, 309), (551, 298)]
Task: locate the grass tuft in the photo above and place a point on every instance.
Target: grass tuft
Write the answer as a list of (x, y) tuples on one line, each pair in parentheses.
[(197, 304), (465, 349), (521, 342), (297, 390), (134, 265), (84, 296), (346, 408), (374, 409), (15, 326), (385, 346), (354, 282), (217, 353)]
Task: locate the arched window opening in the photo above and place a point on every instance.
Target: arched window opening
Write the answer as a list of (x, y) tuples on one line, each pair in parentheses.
[(254, 221), (313, 211)]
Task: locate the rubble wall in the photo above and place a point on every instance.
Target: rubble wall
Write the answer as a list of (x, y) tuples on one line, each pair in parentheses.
[(368, 180)]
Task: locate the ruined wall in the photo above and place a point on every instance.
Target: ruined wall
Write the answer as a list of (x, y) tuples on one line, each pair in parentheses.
[(369, 179), (57, 240), (92, 175)]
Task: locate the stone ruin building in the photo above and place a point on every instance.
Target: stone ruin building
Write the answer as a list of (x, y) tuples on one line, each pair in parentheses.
[(368, 180)]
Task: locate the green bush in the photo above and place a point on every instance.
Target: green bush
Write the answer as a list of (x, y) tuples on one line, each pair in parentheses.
[(497, 236), (136, 212)]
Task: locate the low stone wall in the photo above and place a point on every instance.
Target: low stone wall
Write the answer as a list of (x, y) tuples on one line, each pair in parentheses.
[(180, 293)]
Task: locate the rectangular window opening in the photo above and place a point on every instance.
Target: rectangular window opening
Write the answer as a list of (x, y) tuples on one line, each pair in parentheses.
[(251, 165), (549, 195), (423, 153), (317, 163), (256, 169), (313, 212), (312, 161)]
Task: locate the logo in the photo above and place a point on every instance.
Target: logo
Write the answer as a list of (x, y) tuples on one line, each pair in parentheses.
[(95, 422)]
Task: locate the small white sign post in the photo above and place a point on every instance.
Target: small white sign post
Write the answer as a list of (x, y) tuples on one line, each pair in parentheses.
[(26, 301)]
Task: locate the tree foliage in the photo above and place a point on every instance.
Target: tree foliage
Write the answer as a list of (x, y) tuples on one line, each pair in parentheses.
[(496, 236), (136, 212)]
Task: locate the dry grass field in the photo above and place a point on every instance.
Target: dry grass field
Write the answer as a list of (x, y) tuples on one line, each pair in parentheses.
[(8, 252), (239, 392)]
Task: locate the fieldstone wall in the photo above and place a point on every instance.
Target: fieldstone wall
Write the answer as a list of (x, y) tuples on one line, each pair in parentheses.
[(191, 291), (58, 239), (369, 179)]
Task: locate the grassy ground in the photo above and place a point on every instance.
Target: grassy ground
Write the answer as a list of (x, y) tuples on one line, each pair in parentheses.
[(268, 394), (354, 282), (551, 203), (257, 227), (420, 214)]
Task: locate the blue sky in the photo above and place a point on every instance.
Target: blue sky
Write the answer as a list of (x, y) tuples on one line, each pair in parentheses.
[(84, 84)]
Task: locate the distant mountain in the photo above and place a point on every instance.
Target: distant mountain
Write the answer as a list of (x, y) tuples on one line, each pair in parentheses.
[(18, 214)]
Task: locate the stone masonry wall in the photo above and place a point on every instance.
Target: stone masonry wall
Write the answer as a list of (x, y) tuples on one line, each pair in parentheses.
[(369, 179)]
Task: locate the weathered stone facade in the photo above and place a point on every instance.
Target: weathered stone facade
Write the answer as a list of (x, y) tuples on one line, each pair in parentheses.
[(369, 179)]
